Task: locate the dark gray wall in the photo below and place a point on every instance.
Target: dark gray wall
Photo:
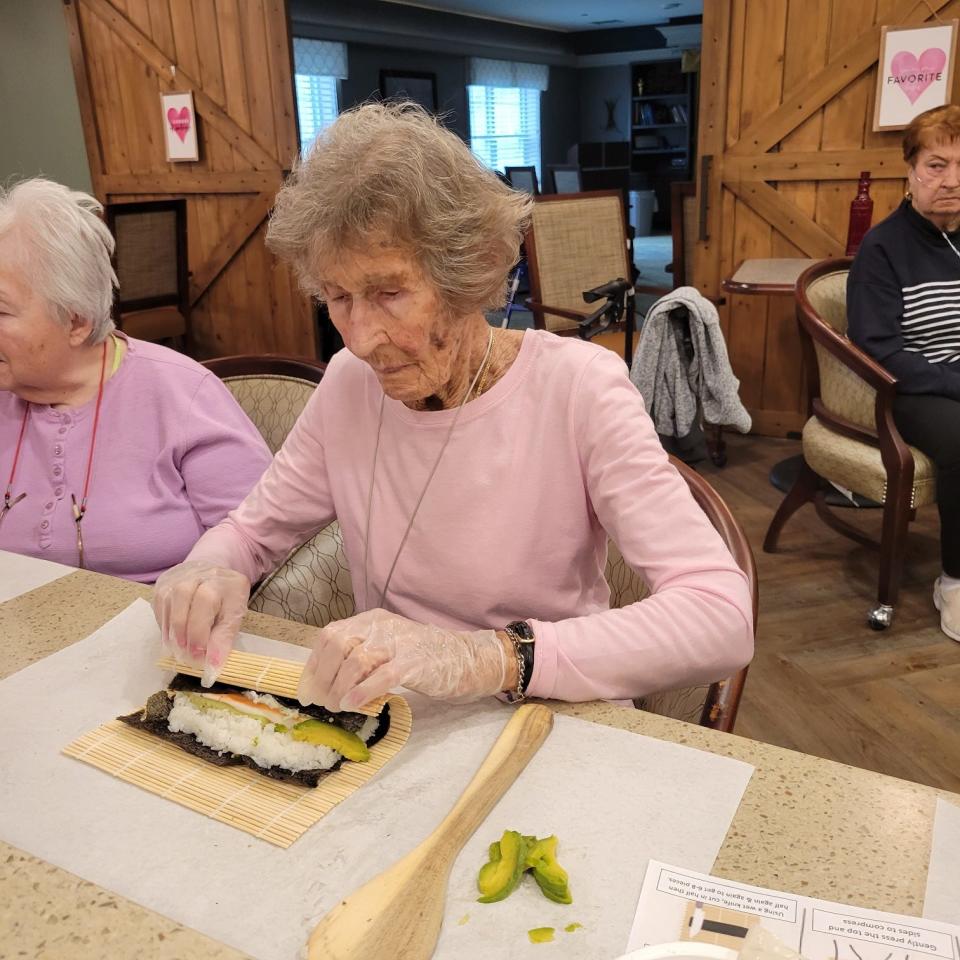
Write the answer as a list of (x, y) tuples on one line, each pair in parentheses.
[(364, 63), (596, 85), (40, 131), (416, 28), (559, 116)]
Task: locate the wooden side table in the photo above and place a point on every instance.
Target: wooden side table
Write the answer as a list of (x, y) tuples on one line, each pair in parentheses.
[(767, 277)]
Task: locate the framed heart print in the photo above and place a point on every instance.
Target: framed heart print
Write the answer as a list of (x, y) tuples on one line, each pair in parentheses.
[(179, 126), (915, 72)]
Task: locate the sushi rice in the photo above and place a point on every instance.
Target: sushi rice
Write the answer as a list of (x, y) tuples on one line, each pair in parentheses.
[(228, 732)]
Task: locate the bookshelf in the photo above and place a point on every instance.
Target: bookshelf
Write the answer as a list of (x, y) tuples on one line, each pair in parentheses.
[(662, 128)]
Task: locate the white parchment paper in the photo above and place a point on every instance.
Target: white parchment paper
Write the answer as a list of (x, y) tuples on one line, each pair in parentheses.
[(20, 574), (613, 798), (942, 901)]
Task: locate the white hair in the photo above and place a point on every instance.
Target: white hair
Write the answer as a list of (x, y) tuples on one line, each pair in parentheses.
[(65, 250)]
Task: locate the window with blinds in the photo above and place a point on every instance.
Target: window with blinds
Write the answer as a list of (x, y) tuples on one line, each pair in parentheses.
[(505, 126), (317, 106), (317, 66)]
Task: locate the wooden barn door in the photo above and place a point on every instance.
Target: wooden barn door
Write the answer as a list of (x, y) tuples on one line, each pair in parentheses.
[(234, 55), (786, 107)]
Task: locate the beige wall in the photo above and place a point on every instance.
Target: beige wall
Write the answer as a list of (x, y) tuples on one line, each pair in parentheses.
[(40, 130)]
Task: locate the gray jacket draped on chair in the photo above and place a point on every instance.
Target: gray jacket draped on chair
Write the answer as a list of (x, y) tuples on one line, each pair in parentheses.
[(672, 381)]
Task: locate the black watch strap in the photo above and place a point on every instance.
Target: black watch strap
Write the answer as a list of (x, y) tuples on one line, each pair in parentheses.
[(521, 633)]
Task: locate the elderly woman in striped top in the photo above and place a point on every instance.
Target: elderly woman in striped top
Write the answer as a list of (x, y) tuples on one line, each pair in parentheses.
[(903, 304)]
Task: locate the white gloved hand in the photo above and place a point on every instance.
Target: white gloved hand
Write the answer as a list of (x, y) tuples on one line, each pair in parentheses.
[(361, 658), (199, 607)]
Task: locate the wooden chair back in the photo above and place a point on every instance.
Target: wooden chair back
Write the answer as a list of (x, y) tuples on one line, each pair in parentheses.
[(564, 178), (151, 253), (523, 178), (153, 300), (576, 242), (272, 390)]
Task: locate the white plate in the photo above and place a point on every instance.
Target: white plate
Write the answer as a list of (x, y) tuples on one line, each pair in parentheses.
[(681, 950)]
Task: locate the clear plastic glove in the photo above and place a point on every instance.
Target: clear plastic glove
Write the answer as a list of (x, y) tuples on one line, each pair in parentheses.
[(363, 657), (199, 607)]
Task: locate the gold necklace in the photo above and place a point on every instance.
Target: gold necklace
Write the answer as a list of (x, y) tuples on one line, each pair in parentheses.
[(485, 369)]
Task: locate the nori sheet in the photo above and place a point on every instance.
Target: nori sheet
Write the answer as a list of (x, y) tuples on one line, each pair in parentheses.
[(153, 719)]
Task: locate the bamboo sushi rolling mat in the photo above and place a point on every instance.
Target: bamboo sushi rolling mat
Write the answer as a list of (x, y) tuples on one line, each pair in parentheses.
[(238, 796)]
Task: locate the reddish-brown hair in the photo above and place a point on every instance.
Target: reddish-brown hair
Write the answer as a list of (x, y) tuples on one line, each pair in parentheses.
[(939, 125)]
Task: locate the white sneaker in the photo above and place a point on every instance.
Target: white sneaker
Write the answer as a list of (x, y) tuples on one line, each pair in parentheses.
[(948, 603)]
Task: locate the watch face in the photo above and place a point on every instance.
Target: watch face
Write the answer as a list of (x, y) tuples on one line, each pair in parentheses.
[(523, 630)]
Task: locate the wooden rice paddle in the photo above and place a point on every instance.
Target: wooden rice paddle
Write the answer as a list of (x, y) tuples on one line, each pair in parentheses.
[(397, 915)]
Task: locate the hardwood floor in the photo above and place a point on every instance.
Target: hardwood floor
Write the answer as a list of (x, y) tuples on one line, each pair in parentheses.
[(822, 681)]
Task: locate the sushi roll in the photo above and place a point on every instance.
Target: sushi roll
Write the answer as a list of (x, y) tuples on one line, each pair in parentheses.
[(274, 736)]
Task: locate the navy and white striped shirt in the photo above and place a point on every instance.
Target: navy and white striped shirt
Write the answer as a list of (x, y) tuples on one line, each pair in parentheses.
[(903, 302), (931, 319)]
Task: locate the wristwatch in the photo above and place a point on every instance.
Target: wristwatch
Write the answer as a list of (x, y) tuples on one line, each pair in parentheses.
[(521, 636)]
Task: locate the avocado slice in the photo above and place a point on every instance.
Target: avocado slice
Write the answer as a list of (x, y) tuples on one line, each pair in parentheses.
[(499, 878), (550, 876), (330, 735)]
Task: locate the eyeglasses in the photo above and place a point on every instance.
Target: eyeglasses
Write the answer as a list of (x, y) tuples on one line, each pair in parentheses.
[(9, 502), (79, 511)]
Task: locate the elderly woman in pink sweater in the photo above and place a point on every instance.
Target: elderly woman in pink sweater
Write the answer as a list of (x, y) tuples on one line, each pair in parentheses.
[(115, 454), (476, 473)]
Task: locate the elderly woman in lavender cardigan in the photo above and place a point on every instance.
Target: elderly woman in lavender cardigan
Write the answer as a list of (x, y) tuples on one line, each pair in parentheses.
[(476, 472), (115, 454)]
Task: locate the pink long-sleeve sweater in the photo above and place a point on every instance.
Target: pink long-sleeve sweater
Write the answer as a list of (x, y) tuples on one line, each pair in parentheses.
[(555, 457)]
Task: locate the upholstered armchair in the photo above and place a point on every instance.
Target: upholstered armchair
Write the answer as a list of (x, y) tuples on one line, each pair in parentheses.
[(313, 586), (850, 438)]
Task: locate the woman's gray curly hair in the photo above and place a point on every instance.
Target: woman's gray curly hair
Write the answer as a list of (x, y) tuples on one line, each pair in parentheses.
[(65, 250), (389, 171)]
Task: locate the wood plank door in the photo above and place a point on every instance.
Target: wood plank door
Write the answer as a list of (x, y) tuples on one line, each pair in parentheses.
[(786, 106), (234, 55)]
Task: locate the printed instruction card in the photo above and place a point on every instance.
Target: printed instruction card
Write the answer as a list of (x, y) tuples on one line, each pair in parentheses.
[(677, 904)]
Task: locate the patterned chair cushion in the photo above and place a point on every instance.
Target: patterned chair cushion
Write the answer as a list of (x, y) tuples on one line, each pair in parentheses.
[(313, 586), (858, 466), (844, 393), (272, 402), (828, 296)]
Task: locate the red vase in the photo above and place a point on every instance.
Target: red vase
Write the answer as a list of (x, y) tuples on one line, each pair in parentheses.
[(861, 214)]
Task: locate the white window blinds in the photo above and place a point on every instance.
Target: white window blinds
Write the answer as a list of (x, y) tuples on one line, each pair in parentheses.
[(318, 65), (505, 126)]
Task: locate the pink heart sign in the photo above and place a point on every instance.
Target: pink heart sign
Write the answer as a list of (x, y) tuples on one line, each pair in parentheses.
[(913, 76), (179, 121)]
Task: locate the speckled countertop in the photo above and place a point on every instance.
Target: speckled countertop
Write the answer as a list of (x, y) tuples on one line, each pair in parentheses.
[(805, 824)]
